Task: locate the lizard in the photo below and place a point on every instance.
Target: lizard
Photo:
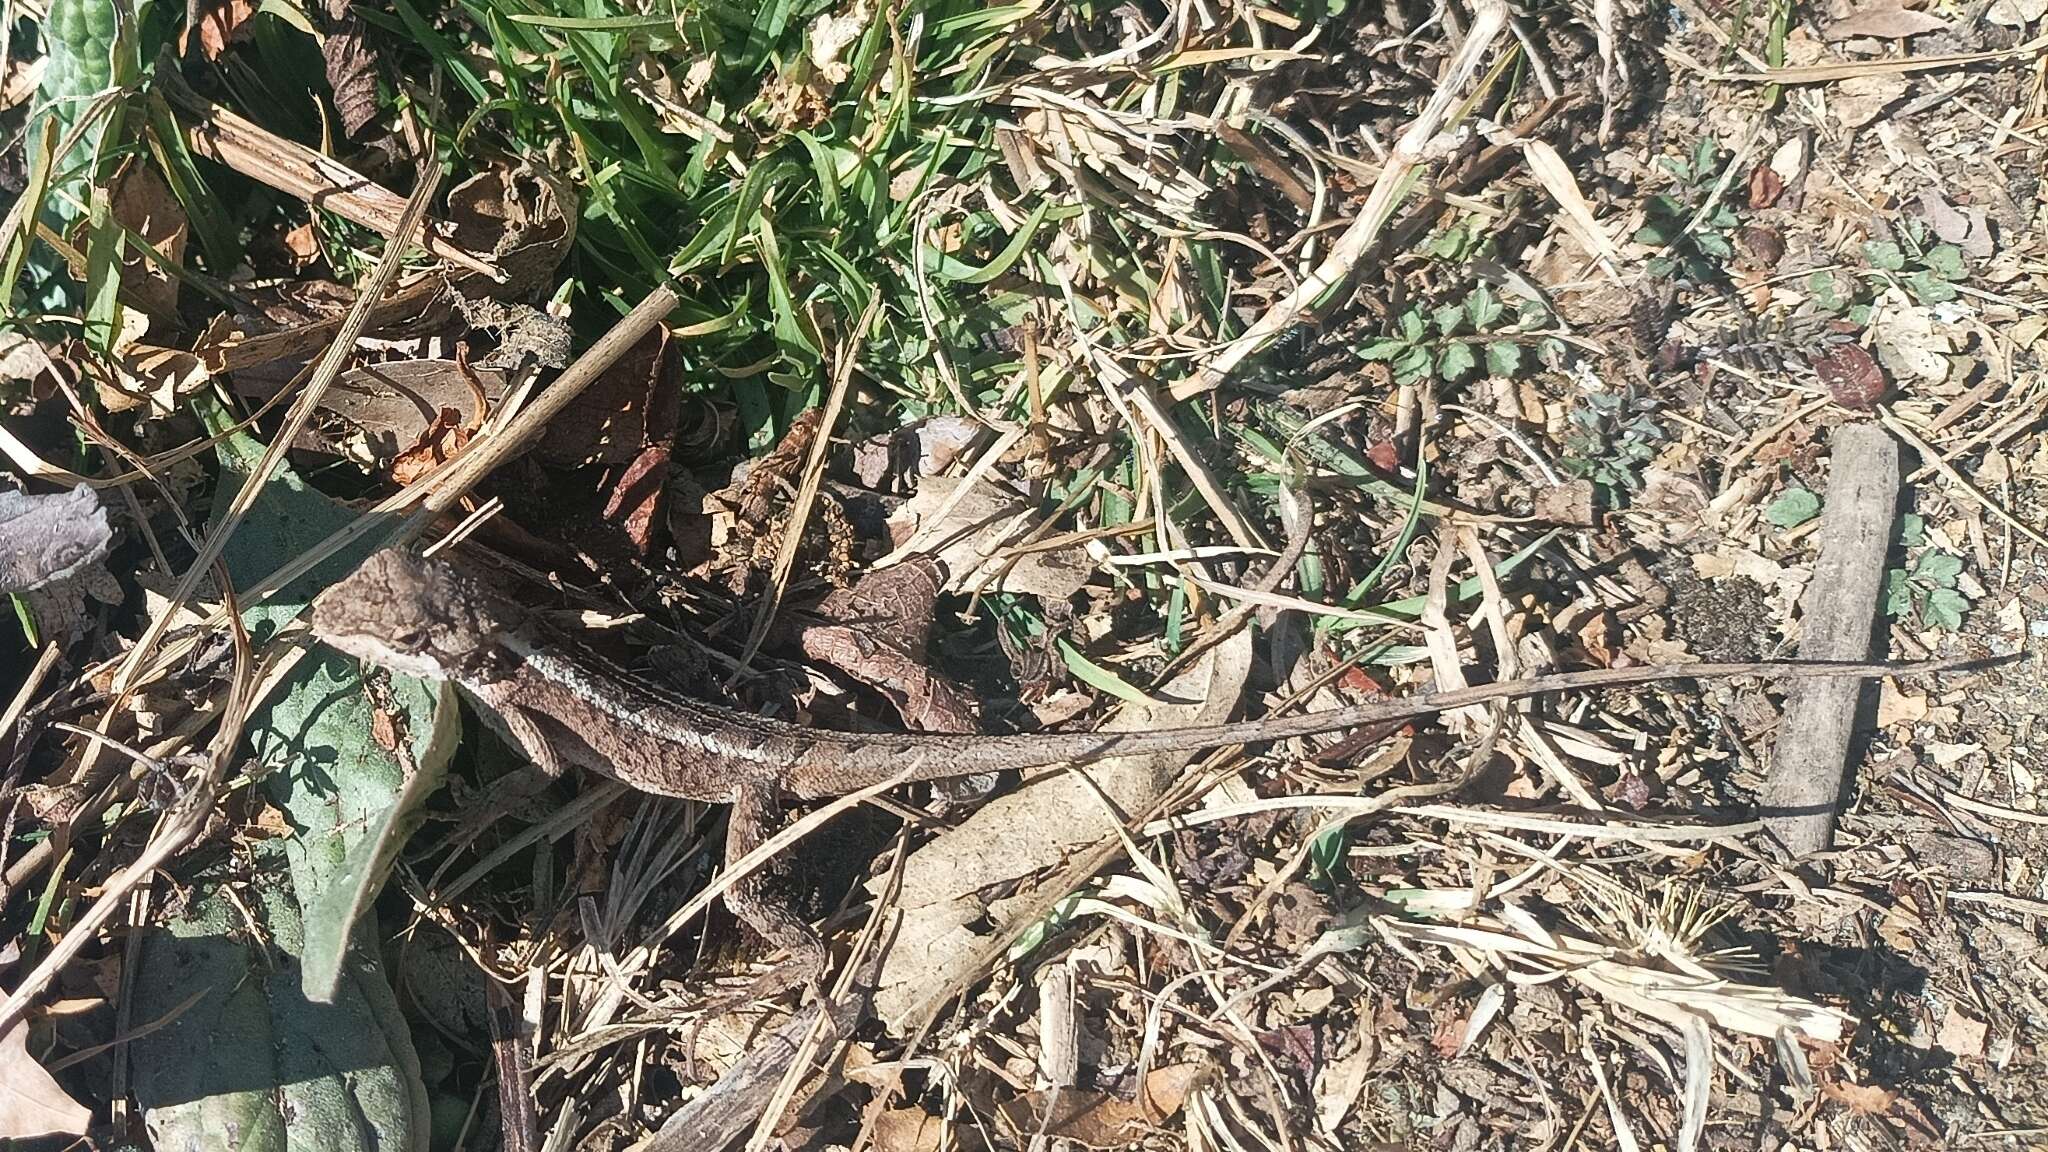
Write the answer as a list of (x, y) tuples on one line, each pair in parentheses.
[(564, 706)]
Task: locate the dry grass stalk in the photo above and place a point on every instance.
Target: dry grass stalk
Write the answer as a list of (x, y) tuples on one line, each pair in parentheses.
[(292, 168)]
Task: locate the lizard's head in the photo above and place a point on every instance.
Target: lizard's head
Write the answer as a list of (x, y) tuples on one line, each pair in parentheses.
[(412, 615)]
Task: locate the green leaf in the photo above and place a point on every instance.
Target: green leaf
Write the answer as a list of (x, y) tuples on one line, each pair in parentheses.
[(1503, 358), (1016, 248), (104, 243), (1821, 285), (595, 23), (1658, 233), (1457, 361), (1938, 568), (366, 864), (349, 800), (1946, 261), (1884, 255), (1413, 365), (1705, 154), (1898, 593), (1713, 244), (1483, 307), (1384, 348), (1329, 855), (1924, 287), (1667, 208), (1944, 609), (1096, 676), (1912, 530), (1412, 326), (1448, 318), (241, 1049), (1793, 507), (1448, 244)]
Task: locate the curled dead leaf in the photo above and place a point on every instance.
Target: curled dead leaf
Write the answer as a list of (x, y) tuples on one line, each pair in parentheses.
[(146, 374), (525, 217), (218, 23), (1100, 1120), (635, 505), (442, 438), (143, 203)]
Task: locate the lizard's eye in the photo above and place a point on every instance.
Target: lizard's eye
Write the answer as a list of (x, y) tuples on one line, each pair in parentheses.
[(411, 639)]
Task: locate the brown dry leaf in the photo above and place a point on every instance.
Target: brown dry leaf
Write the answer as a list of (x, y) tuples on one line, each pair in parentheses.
[(217, 22), (1765, 186), (390, 406), (1570, 503), (943, 895), (1969, 230), (302, 245), (1099, 1120), (2015, 13), (794, 105), (1341, 1082), (978, 525), (31, 1102), (156, 376), (146, 374), (1907, 339), (1868, 1099), (630, 407), (635, 505), (21, 81), (1104, 153), (1961, 1035), (908, 1130), (1860, 99), (525, 217), (1555, 175), (1898, 707), (22, 358), (1851, 377), (351, 70), (1885, 22), (141, 201), (830, 36)]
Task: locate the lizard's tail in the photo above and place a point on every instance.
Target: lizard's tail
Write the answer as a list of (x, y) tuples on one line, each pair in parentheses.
[(915, 756)]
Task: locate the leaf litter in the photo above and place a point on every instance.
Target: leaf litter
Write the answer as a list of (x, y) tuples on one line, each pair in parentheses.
[(1181, 363)]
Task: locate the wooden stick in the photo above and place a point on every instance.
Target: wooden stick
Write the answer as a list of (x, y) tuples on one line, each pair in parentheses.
[(1838, 618)]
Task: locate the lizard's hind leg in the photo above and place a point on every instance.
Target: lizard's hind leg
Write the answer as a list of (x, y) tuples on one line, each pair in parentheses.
[(759, 898)]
